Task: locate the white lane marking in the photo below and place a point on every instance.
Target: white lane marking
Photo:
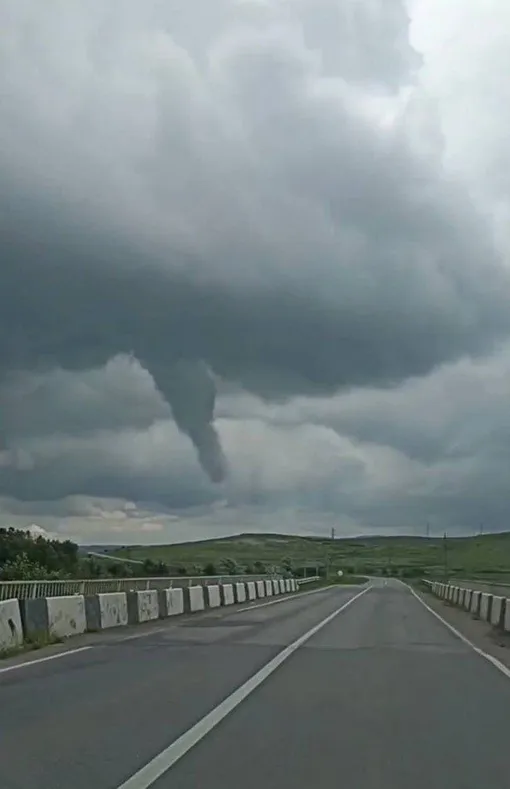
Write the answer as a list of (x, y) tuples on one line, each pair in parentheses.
[(27, 663), (227, 613), (169, 756), (495, 662), (286, 599), (145, 634)]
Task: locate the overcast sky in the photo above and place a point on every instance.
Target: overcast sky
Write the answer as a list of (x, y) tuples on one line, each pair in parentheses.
[(254, 267)]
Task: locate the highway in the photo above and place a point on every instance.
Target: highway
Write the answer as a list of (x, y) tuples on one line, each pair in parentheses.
[(354, 686)]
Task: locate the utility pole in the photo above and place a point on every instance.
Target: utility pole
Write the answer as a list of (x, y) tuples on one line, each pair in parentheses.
[(327, 562), (445, 557)]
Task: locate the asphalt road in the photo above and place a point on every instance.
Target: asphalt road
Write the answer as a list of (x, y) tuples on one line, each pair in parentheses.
[(380, 695)]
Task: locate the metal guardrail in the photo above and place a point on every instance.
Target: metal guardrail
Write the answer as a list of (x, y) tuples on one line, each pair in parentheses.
[(482, 585), (301, 581), (30, 589)]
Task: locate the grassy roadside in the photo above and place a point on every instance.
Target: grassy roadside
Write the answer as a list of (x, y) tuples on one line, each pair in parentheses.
[(30, 644)]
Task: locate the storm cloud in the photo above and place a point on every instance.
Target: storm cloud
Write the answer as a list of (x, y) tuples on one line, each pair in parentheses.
[(246, 194)]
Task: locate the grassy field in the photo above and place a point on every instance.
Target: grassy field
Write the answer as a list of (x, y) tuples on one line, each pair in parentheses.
[(486, 556)]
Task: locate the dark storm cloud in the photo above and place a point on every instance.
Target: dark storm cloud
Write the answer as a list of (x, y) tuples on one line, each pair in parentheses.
[(234, 211), (119, 396), (127, 465)]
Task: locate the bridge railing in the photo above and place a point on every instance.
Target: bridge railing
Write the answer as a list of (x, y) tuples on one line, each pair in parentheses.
[(30, 589)]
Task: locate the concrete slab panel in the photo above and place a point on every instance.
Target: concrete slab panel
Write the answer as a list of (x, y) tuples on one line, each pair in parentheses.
[(240, 592), (106, 610), (227, 594), (11, 630), (212, 596)]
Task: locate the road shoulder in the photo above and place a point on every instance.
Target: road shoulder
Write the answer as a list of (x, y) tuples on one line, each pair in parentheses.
[(482, 634)]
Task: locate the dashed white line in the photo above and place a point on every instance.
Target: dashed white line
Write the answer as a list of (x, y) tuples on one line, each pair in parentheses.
[(169, 756)]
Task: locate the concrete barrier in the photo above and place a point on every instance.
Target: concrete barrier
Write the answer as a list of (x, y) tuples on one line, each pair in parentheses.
[(475, 602), (251, 590), (460, 597), (106, 610), (497, 611), (54, 616), (288, 585), (506, 620), (261, 588), (171, 602), (269, 588), (467, 599), (240, 592), (227, 594), (142, 606), (212, 596), (11, 630), (282, 586), (276, 586), (194, 599), (485, 606)]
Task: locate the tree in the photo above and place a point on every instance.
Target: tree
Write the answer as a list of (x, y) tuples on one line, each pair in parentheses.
[(49, 557), (21, 568), (287, 564), (117, 569), (91, 568), (161, 568), (229, 567)]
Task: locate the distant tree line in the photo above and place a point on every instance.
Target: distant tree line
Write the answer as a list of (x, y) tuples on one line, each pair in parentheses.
[(25, 557)]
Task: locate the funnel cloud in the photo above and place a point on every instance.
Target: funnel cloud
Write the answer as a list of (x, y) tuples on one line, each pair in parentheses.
[(189, 387), (278, 213)]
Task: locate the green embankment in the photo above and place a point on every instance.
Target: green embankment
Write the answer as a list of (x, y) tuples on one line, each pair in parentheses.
[(486, 556)]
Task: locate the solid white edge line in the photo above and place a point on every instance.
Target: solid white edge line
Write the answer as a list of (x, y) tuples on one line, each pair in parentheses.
[(35, 662), (161, 763), (491, 659)]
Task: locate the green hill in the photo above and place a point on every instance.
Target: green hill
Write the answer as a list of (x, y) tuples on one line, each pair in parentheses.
[(481, 556)]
